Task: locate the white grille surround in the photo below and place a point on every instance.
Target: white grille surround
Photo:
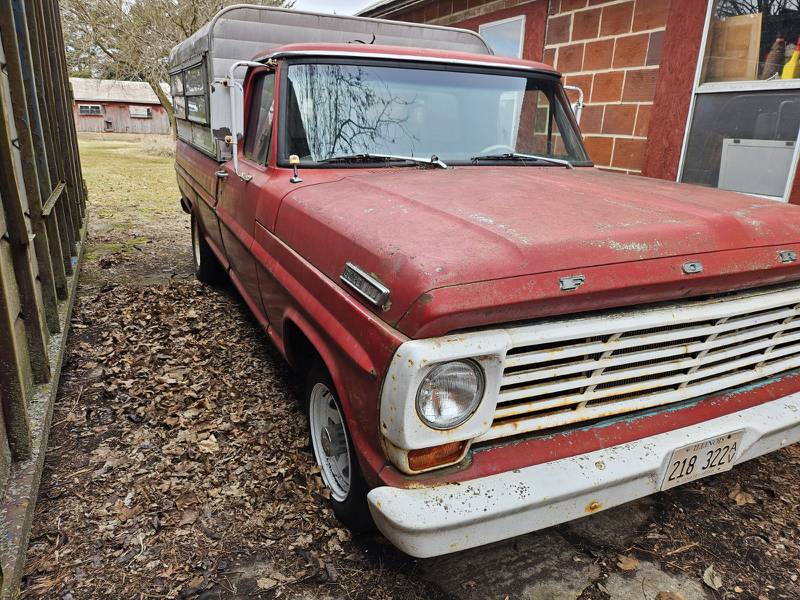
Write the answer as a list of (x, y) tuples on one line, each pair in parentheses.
[(584, 368)]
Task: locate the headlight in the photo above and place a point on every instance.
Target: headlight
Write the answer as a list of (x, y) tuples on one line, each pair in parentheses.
[(449, 394)]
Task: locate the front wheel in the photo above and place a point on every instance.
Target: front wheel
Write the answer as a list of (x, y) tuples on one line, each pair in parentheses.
[(206, 266), (334, 452)]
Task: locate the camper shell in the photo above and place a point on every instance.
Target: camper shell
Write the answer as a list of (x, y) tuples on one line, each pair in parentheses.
[(198, 65)]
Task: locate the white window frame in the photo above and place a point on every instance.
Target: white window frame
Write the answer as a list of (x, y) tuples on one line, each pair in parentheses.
[(735, 86), (521, 18), (146, 114), (518, 99), (90, 114)]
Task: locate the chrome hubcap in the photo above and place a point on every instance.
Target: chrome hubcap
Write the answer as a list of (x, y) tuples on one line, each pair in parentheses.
[(329, 440)]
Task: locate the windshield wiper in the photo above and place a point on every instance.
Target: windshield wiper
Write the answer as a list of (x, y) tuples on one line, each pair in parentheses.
[(433, 161), (520, 156)]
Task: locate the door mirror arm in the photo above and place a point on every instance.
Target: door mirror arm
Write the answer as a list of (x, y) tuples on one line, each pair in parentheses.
[(232, 85), (577, 108)]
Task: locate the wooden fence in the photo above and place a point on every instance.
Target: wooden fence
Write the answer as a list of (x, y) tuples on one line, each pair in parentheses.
[(41, 239)]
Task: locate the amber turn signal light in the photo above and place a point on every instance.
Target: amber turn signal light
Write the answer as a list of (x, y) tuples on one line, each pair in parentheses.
[(428, 458)]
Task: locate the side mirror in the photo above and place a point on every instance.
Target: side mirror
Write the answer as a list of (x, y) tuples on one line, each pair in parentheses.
[(232, 85), (577, 106)]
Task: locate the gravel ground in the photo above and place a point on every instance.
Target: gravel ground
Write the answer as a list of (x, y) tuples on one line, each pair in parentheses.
[(179, 467)]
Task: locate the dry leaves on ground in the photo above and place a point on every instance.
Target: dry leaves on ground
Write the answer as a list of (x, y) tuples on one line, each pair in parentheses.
[(179, 459), (627, 563)]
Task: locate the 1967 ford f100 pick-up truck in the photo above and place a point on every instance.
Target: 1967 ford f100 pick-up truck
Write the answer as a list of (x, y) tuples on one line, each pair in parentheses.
[(496, 336)]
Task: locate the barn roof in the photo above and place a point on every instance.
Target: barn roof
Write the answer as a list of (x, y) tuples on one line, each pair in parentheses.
[(111, 90)]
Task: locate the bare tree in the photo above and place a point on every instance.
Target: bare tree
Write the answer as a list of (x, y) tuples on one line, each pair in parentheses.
[(731, 8), (348, 109), (131, 39)]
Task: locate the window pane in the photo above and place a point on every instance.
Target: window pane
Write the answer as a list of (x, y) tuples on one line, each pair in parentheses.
[(505, 38), (90, 110), (752, 40), (139, 112), (259, 125), (195, 82), (179, 105), (335, 110), (184, 130), (198, 108), (176, 84), (743, 141), (201, 136)]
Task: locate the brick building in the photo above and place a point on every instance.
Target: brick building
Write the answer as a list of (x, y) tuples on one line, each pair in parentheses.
[(700, 91)]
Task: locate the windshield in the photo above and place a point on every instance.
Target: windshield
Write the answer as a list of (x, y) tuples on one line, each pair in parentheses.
[(336, 110)]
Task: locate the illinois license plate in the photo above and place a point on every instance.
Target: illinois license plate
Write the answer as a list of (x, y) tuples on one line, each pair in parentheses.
[(703, 458)]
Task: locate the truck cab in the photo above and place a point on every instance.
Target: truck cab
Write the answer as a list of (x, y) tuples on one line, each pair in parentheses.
[(495, 336)]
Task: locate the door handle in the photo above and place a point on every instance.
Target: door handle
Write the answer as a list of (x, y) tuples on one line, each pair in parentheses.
[(221, 174)]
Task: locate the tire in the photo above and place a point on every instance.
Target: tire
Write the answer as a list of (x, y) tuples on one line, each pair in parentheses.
[(334, 453), (206, 266)]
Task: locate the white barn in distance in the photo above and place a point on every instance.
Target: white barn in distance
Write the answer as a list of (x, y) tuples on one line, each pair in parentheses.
[(112, 106)]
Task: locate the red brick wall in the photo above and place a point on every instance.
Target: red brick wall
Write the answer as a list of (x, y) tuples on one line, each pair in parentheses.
[(674, 89), (470, 14), (119, 116), (611, 49)]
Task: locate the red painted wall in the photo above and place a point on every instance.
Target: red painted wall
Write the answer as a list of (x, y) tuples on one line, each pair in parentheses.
[(794, 196), (674, 88), (118, 114), (535, 21)]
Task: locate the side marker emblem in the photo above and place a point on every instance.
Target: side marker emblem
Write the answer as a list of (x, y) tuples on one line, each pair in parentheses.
[(690, 268), (366, 286), (787, 256), (567, 284)]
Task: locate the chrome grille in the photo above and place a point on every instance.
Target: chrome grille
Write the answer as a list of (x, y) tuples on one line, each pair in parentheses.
[(569, 371)]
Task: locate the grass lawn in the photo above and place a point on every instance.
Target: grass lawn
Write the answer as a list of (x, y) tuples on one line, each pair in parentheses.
[(133, 204)]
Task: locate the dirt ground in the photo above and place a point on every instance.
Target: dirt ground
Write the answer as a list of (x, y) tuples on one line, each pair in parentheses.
[(178, 464)]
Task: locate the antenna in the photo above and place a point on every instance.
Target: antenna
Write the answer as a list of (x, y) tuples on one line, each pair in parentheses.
[(363, 42)]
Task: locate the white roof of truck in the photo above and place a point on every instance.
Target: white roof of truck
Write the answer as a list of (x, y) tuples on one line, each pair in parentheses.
[(241, 31)]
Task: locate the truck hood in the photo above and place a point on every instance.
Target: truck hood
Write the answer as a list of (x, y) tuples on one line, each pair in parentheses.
[(419, 231)]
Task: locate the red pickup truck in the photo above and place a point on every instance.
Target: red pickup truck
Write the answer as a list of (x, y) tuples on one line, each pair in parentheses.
[(496, 336)]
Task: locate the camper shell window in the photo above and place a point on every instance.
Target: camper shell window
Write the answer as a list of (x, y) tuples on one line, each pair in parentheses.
[(179, 105), (189, 89), (176, 84)]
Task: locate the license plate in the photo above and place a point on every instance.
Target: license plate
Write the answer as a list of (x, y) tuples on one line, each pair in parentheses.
[(703, 458)]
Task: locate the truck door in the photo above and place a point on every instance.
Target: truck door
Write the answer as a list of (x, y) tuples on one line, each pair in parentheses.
[(240, 194)]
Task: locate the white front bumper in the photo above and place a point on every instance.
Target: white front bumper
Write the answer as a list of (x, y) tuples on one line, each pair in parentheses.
[(437, 520)]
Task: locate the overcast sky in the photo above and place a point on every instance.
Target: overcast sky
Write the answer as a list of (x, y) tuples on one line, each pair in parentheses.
[(341, 7)]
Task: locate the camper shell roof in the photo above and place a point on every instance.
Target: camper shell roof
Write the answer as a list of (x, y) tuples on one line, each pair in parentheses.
[(242, 31)]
